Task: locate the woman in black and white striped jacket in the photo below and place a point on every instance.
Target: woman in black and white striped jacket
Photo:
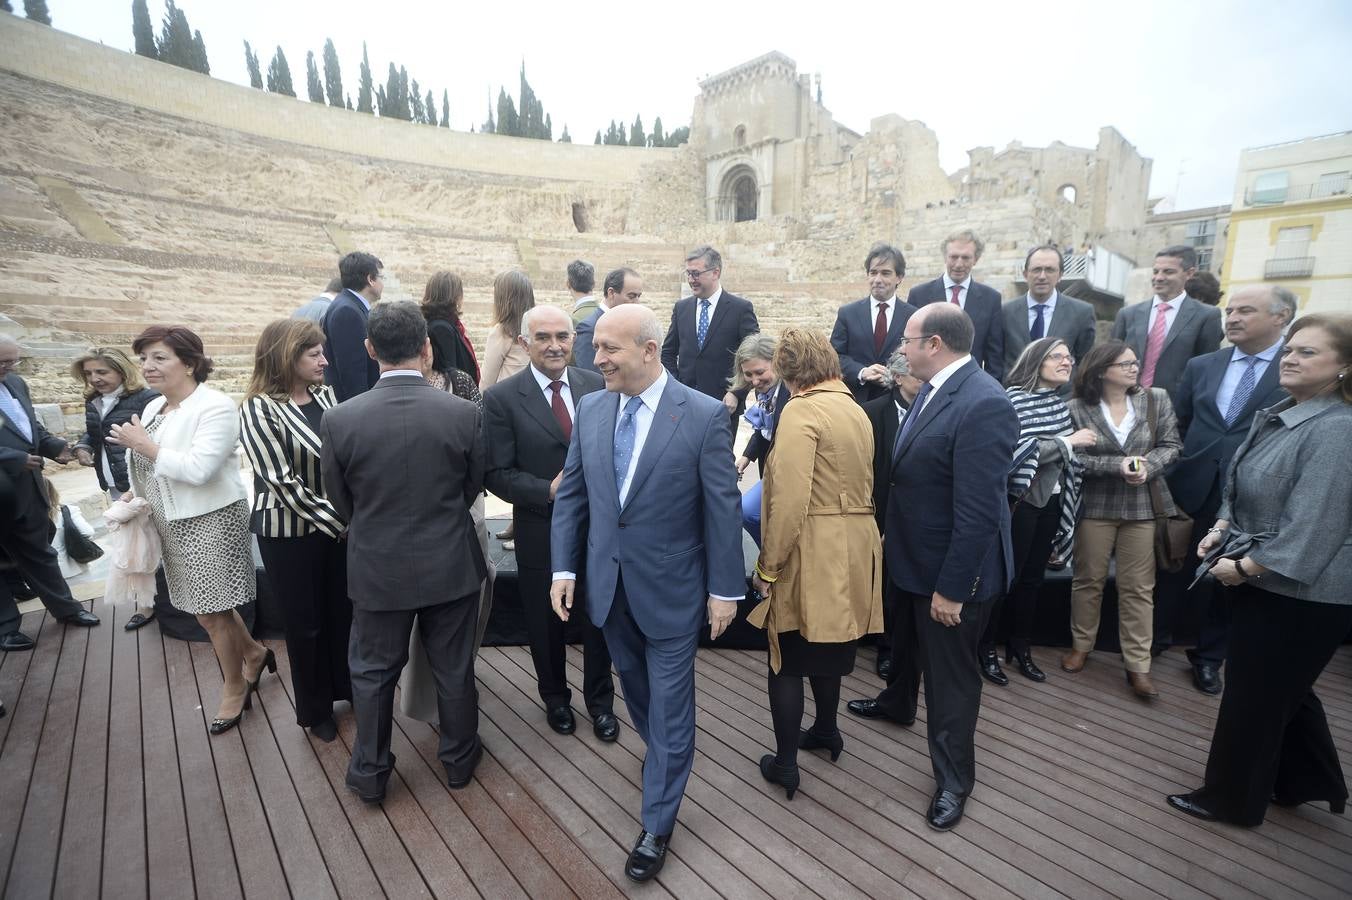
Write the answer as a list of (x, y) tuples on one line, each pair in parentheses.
[(300, 534), (1044, 508)]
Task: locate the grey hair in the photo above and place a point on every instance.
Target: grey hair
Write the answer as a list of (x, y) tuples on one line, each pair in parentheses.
[(966, 235), (897, 364), (1283, 299), (397, 331), (649, 329), (711, 258), (529, 316), (757, 345)]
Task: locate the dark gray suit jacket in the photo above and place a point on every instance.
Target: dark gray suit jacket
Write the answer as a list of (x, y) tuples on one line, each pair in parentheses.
[(707, 369), (983, 308), (852, 338), (402, 464), (1072, 322), (1196, 330), (24, 484)]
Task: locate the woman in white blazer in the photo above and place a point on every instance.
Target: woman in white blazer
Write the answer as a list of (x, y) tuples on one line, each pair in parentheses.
[(183, 463)]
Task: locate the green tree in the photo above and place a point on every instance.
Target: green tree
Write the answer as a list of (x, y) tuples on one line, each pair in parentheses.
[(566, 138), (636, 136), (598, 137), (175, 44), (279, 75), (333, 75), (445, 108), (312, 82), (419, 110), (37, 11), (381, 100), (251, 63), (490, 127), (430, 104), (199, 54), (395, 105), (141, 29), (364, 85), (658, 138), (508, 120), (549, 128), (679, 136)]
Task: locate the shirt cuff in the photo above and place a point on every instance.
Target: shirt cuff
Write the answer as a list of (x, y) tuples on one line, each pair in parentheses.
[(565, 576), (729, 599)]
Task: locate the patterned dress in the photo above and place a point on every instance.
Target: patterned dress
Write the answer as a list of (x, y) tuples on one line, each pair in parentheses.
[(208, 559)]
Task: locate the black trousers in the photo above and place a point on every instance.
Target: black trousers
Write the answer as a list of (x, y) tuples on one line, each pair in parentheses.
[(1271, 736), (377, 654), (548, 651), (1032, 530), (947, 657), (24, 540), (1172, 594), (308, 575), (884, 640)]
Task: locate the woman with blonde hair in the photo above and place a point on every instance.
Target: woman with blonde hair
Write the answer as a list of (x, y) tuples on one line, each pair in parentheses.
[(820, 565), (504, 355), (754, 376), (299, 532), (113, 394)]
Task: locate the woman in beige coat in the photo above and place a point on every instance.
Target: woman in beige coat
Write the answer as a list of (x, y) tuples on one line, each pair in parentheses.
[(820, 566)]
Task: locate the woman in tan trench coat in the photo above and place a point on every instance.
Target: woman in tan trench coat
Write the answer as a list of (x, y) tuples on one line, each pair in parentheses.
[(821, 559)]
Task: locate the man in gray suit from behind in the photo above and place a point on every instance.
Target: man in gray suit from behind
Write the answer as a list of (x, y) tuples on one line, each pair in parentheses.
[(1044, 311), (402, 463), (1191, 328)]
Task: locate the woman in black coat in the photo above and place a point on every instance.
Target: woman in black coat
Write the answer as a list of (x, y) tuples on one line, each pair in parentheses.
[(113, 394), (451, 346)]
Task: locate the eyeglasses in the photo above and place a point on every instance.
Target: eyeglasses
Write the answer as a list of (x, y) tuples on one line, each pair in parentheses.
[(692, 274), (1061, 357), (919, 337), (1131, 364), (9, 363)]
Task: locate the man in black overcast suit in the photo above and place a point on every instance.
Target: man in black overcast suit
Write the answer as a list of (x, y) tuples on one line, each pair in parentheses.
[(1046, 312), (706, 365), (528, 423), (961, 251), (868, 330), (402, 464), (1215, 409)]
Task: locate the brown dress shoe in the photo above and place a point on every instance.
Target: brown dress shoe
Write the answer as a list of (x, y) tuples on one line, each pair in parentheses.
[(1141, 685), (1074, 660)]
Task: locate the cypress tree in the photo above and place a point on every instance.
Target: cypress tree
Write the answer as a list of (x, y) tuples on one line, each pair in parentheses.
[(37, 11), (403, 105), (364, 86), (549, 128), (415, 96), (199, 54), (566, 138), (175, 45), (446, 108), (636, 136), (279, 75), (430, 104), (251, 63), (659, 139), (381, 100), (333, 75), (490, 127), (598, 137), (141, 28), (508, 120), (312, 83)]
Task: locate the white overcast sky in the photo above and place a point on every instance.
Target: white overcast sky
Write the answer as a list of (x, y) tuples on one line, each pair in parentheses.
[(1189, 83)]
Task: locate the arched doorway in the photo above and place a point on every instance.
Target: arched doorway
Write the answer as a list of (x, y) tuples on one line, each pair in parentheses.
[(739, 199)]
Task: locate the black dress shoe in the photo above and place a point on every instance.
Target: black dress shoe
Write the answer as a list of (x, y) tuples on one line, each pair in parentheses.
[(15, 641), (269, 665), (1188, 803), (367, 798), (83, 619), (606, 728), (872, 709), (883, 667), (647, 857), (326, 730), (1027, 668), (221, 726), (459, 781), (561, 719), (137, 621), (1207, 677), (990, 668), (945, 810)]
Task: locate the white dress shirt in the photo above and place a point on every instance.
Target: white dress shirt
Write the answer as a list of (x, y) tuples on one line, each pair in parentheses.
[(544, 381), (938, 381), (962, 294), (104, 403), (18, 414), (1239, 361), (392, 373), (1122, 429), (713, 305), (1050, 304), (643, 421), (364, 302), (887, 313), (1170, 313)]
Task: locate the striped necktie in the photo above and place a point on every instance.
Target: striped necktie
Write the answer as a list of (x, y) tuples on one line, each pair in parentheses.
[(1243, 391)]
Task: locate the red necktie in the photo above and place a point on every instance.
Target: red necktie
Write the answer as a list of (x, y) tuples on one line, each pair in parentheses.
[(1154, 343), (957, 288), (880, 329), (560, 410)]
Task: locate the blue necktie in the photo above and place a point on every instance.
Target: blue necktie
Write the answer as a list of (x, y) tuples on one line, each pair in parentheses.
[(624, 442), (1243, 392), (13, 411), (702, 327), (911, 416), (1039, 329)]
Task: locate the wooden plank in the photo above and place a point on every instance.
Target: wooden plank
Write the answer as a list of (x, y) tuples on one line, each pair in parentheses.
[(13, 672), (80, 859), (125, 872), (260, 866), (170, 863)]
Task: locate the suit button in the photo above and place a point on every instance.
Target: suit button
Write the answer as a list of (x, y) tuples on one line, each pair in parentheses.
[(624, 525)]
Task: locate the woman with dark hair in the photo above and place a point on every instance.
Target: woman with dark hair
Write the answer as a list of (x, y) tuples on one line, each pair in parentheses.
[(504, 354), (1135, 440), (1282, 546), (820, 565), (299, 532), (1047, 507), (183, 464), (442, 301)]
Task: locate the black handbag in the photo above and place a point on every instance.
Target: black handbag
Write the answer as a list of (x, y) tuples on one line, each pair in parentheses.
[(78, 547)]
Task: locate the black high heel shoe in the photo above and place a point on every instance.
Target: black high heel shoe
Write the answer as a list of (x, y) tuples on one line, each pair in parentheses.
[(784, 776), (1027, 668), (811, 740), (269, 664), (221, 726)]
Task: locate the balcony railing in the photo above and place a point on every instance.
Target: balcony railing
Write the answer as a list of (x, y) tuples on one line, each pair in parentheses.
[(1289, 267), (1295, 193)]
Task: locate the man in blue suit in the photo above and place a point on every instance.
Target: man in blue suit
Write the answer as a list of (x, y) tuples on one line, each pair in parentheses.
[(1215, 402), (947, 546), (962, 251), (352, 370), (622, 285), (868, 331), (650, 491)]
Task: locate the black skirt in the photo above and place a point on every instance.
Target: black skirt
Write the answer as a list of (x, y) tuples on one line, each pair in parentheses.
[(799, 656)]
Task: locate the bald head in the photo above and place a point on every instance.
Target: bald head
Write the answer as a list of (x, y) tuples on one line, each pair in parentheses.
[(7, 342), (626, 341), (936, 336), (9, 354), (1256, 316)]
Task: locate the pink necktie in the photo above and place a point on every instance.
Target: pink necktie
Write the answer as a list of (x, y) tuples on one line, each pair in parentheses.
[(956, 289), (1154, 344)]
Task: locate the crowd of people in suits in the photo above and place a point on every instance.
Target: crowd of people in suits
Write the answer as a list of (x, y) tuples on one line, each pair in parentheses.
[(921, 468)]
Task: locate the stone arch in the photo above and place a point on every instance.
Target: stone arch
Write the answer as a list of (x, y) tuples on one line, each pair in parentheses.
[(739, 195), (1067, 192)]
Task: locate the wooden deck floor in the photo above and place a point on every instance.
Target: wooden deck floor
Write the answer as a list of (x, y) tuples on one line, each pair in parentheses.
[(110, 786)]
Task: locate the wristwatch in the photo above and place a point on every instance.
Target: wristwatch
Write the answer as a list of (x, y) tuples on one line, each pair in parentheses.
[(1239, 569)]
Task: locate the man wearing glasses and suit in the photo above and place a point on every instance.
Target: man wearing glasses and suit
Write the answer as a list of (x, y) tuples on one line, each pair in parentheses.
[(706, 328)]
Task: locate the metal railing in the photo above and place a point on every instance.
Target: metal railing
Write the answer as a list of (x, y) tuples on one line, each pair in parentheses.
[(1294, 193), (1289, 267)]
